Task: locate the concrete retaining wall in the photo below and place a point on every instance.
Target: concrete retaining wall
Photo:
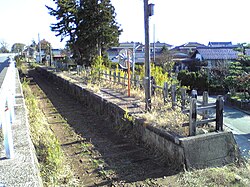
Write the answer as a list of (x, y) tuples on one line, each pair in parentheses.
[(212, 149), (243, 105)]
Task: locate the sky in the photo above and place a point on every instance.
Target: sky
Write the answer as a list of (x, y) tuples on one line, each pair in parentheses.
[(175, 21)]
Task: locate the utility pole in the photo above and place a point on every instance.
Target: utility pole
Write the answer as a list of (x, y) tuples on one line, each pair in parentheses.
[(134, 50), (154, 43), (148, 11), (39, 43), (51, 58)]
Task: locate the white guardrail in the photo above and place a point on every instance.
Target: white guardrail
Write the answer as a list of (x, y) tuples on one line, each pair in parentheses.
[(7, 102)]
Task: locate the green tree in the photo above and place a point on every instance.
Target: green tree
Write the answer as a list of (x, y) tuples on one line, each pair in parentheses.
[(195, 80), (244, 83), (90, 25), (45, 46), (166, 60), (243, 58), (66, 14), (17, 48), (231, 80), (32, 48)]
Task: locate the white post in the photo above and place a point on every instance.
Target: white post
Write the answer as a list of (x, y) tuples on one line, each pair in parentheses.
[(7, 134)]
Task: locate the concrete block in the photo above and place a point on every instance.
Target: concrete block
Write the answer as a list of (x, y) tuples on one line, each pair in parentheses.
[(212, 149)]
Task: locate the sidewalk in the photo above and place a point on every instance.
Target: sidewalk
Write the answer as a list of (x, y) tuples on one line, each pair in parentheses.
[(22, 170), (238, 122)]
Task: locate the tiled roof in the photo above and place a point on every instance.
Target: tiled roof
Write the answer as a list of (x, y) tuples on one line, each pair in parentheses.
[(219, 44), (192, 44), (160, 45), (222, 53)]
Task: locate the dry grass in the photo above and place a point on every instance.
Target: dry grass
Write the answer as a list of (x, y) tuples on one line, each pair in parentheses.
[(51, 158), (229, 175), (161, 114)]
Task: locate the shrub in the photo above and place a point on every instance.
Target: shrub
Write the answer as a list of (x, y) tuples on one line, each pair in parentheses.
[(195, 80)]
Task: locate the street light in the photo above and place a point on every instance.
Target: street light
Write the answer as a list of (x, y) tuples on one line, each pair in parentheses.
[(148, 11)]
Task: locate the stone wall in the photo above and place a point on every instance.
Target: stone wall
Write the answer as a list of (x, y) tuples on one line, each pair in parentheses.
[(212, 149)]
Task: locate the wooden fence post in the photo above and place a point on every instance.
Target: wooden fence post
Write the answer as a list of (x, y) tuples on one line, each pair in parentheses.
[(183, 98), (219, 113), (106, 74), (110, 75), (192, 117), (204, 103), (119, 77), (194, 94), (99, 75), (137, 81), (124, 79), (165, 92), (114, 76), (173, 96)]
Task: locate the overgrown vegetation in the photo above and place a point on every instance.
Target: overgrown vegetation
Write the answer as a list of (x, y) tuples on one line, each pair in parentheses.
[(236, 174), (230, 175), (162, 115), (53, 169), (194, 80)]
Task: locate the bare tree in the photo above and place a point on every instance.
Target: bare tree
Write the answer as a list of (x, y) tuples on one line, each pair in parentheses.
[(4, 47)]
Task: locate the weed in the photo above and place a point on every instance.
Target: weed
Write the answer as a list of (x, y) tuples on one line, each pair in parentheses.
[(54, 172), (230, 175)]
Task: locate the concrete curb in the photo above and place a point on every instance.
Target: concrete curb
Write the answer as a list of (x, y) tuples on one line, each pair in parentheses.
[(23, 169)]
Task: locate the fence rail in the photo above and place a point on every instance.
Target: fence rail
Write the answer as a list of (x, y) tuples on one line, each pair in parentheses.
[(193, 112)]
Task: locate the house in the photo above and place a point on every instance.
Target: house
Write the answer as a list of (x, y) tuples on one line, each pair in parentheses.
[(113, 52), (156, 50), (219, 44), (29, 52), (57, 55), (138, 49), (187, 48), (182, 54), (214, 56)]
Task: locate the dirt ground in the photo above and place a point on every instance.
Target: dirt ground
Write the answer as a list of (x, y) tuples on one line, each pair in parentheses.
[(98, 155)]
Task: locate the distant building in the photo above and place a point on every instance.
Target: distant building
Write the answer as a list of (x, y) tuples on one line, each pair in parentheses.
[(139, 50), (214, 56), (57, 55), (219, 44), (29, 52), (113, 52), (187, 48)]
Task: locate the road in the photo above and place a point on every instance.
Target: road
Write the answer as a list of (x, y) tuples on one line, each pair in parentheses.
[(239, 123), (4, 63)]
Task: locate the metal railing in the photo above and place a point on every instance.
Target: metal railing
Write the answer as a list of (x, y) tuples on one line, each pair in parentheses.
[(7, 102)]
